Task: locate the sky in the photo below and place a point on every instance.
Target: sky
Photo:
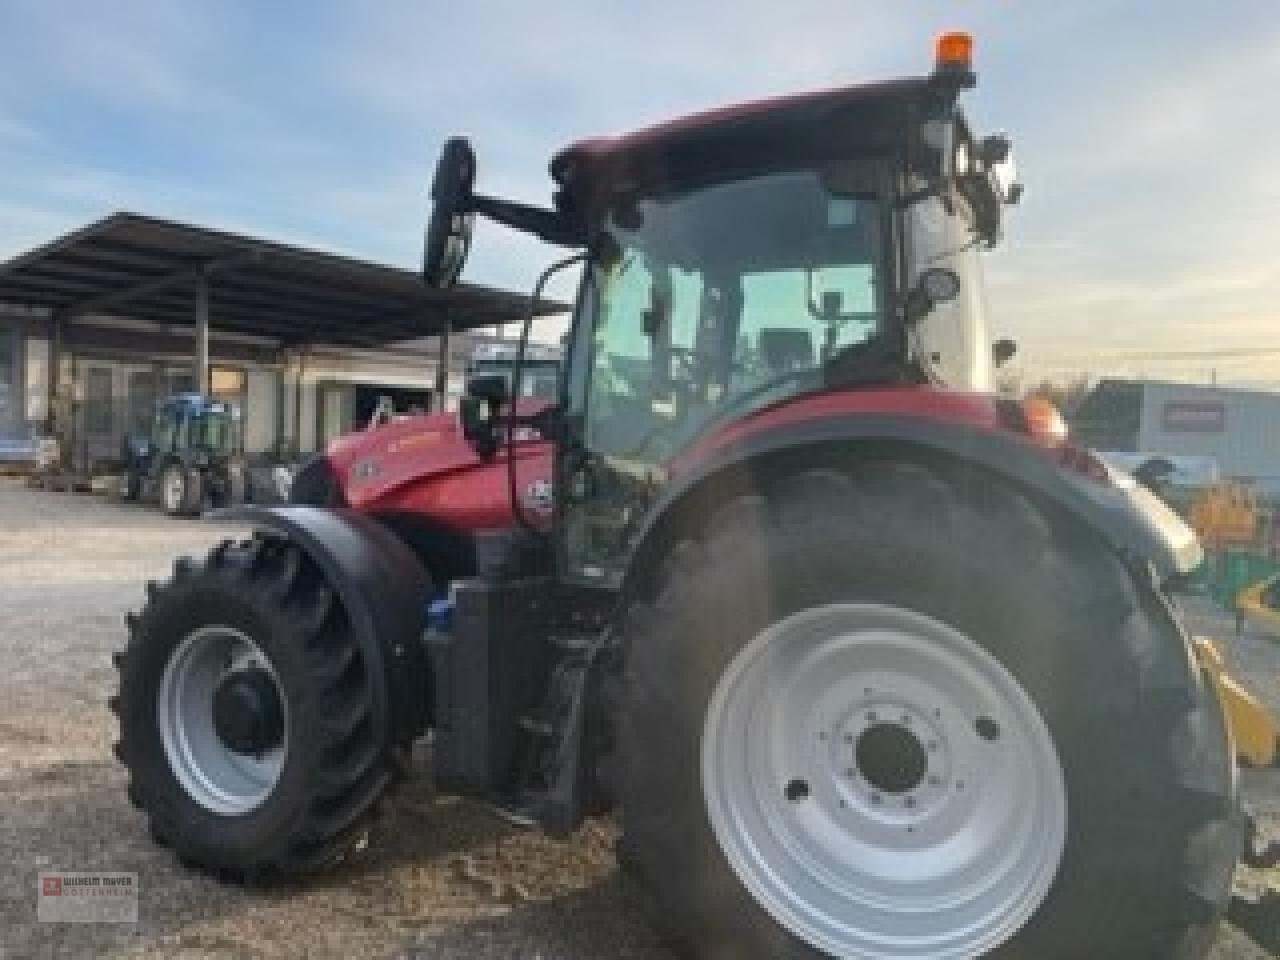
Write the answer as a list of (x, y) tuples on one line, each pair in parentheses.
[(1147, 243)]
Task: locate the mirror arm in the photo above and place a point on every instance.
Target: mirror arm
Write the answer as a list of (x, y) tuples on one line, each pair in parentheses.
[(547, 225)]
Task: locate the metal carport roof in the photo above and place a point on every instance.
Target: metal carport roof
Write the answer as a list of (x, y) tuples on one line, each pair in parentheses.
[(148, 269)]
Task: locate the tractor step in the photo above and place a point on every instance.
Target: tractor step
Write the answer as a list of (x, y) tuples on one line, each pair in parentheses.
[(513, 813), (552, 790)]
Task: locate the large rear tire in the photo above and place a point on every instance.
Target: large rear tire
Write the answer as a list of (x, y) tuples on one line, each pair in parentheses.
[(247, 714), (904, 714)]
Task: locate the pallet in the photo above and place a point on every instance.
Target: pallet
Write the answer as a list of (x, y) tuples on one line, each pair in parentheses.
[(61, 482)]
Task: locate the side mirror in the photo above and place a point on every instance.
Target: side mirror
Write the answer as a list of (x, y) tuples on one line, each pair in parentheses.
[(490, 387), (477, 412), (934, 286), (448, 236), (477, 426), (997, 156), (1002, 351)]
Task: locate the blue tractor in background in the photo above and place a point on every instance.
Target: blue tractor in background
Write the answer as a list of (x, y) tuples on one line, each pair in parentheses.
[(192, 456)]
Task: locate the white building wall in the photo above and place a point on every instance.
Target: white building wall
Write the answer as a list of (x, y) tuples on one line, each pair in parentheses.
[(262, 400), (1239, 428), (321, 366)]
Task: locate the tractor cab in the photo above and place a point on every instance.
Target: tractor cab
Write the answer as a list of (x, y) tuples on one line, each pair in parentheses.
[(740, 260), (191, 422)]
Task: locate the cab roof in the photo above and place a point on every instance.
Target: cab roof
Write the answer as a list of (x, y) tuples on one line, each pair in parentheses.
[(761, 133)]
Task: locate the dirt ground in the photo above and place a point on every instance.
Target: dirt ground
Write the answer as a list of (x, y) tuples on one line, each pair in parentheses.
[(441, 879)]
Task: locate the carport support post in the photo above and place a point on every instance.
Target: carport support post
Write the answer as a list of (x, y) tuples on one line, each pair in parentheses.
[(56, 326), (442, 368), (200, 361)]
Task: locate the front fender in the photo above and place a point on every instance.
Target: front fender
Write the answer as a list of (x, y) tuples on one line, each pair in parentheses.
[(382, 587), (1126, 516)]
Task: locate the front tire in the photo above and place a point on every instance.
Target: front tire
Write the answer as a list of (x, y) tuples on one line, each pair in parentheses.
[(248, 719), (181, 490), (802, 663), (234, 489), (131, 485)]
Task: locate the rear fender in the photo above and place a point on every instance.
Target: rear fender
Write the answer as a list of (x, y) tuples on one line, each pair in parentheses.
[(1127, 517), (382, 587)]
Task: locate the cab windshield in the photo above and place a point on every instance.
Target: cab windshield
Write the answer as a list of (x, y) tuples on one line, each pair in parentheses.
[(707, 304), (216, 431)]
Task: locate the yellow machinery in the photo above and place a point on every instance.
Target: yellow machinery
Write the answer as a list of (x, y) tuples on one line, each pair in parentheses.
[(1253, 727), (1257, 738), (1258, 605), (1226, 515)]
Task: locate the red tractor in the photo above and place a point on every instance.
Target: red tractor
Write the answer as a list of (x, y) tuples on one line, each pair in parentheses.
[(868, 661)]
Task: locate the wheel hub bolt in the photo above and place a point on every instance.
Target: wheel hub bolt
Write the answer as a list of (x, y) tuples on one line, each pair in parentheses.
[(797, 791)]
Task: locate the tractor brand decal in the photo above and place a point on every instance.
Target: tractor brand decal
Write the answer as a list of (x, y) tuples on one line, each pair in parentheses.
[(412, 441), (365, 470), (1187, 417), (538, 496)]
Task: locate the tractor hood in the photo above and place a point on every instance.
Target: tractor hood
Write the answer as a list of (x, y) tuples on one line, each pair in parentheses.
[(424, 466), (369, 463)]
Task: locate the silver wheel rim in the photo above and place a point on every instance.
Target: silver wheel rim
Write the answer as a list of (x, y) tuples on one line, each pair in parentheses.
[(216, 777), (853, 839), (173, 490)]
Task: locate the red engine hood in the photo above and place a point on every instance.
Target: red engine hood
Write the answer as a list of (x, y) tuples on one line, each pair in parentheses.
[(372, 461), (424, 465)]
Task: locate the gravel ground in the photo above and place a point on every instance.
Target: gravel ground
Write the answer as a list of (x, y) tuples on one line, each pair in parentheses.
[(441, 878)]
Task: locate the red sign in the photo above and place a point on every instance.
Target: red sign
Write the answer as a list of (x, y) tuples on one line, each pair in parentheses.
[(53, 886), (1187, 417)]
